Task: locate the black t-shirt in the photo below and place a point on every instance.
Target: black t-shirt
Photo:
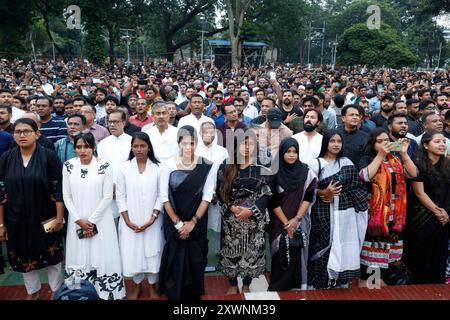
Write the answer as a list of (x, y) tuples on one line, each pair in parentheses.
[(284, 113), (379, 120)]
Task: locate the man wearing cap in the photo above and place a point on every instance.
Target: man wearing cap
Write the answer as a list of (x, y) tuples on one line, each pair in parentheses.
[(273, 131), (387, 106)]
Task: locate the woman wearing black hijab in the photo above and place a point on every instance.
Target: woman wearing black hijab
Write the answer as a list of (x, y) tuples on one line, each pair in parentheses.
[(295, 185)]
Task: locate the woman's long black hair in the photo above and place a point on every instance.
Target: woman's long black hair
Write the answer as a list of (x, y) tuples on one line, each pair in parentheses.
[(144, 137), (326, 141), (442, 168)]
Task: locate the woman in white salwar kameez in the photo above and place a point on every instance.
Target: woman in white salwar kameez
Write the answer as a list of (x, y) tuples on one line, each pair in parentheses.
[(87, 192), (141, 237)]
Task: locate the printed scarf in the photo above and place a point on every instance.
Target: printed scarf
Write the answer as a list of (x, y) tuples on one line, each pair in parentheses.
[(381, 201)]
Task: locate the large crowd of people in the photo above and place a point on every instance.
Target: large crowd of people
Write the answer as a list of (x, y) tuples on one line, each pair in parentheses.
[(117, 172)]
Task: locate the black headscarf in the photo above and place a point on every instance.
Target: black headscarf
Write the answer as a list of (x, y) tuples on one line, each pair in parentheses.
[(290, 176)]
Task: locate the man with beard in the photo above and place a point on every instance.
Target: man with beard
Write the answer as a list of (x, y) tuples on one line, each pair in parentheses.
[(401, 108), (387, 106), (432, 122), (442, 101), (100, 100), (259, 95), (64, 147), (397, 125), (288, 111), (58, 107), (309, 140), (231, 92), (354, 139), (367, 125), (5, 118)]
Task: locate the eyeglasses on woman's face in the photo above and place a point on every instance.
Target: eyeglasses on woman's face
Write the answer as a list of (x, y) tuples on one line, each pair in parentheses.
[(25, 133)]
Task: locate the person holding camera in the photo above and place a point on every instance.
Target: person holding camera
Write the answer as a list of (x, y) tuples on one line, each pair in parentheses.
[(338, 217), (92, 248), (385, 176)]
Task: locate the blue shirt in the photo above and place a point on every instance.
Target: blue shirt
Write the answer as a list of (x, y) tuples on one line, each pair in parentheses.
[(5, 140), (54, 129), (65, 149), (218, 119)]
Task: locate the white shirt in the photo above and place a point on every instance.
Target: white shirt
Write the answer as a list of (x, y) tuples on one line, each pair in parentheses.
[(115, 150), (217, 155), (308, 149), (16, 114), (164, 145), (250, 111), (180, 99), (191, 120)]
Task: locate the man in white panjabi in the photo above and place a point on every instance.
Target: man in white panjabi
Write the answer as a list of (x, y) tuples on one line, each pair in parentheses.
[(162, 135), (217, 155), (309, 140), (141, 238), (196, 118), (116, 148)]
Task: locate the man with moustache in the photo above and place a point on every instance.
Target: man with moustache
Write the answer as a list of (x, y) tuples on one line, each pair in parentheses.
[(163, 136), (397, 125), (100, 100), (309, 140), (354, 139), (433, 122), (273, 131), (64, 147), (288, 111), (387, 106), (196, 118), (231, 124), (141, 118), (401, 107)]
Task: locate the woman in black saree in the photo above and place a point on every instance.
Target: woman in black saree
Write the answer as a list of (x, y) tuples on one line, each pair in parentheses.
[(31, 193), (427, 223), (187, 187)]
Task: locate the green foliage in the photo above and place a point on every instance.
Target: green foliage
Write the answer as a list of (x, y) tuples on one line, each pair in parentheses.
[(360, 45)]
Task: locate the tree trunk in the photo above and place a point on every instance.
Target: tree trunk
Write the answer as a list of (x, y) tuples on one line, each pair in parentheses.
[(235, 55), (111, 46), (169, 48)]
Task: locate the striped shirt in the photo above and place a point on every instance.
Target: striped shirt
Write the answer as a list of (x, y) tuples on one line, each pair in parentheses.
[(54, 129)]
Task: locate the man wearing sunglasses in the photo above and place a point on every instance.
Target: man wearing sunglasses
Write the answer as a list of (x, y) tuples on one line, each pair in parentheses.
[(214, 109)]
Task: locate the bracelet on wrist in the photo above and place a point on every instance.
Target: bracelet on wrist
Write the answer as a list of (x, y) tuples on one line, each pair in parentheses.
[(179, 225)]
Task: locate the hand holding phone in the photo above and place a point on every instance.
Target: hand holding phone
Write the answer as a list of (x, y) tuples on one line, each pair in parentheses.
[(395, 146)]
